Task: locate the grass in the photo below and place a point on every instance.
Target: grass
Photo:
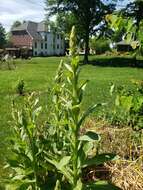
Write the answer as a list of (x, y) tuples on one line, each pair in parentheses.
[(38, 74)]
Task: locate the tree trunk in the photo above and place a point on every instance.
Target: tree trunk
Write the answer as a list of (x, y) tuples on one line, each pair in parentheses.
[(86, 47)]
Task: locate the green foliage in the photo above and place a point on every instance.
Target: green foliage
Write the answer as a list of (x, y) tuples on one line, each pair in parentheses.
[(64, 22), (132, 33), (134, 10), (99, 45), (128, 107), (20, 87), (26, 162), (2, 37), (16, 24), (54, 154), (87, 15)]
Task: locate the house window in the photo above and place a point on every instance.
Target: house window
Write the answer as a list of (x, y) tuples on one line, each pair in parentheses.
[(45, 38), (35, 44), (45, 45), (35, 53), (58, 36), (41, 45), (57, 46)]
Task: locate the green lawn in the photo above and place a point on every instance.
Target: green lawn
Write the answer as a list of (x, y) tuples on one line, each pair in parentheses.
[(38, 74)]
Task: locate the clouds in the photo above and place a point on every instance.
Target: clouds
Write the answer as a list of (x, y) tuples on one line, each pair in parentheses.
[(11, 10)]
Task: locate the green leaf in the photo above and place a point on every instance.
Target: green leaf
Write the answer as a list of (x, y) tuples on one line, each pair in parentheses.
[(112, 88), (58, 186), (13, 162), (101, 185), (126, 102), (87, 147), (79, 185), (99, 159), (69, 68), (64, 161), (90, 136), (65, 171)]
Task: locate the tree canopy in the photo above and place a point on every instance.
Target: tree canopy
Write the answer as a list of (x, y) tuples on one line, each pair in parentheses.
[(16, 24), (134, 10), (88, 14), (2, 36)]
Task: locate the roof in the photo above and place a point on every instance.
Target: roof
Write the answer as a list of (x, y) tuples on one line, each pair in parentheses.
[(21, 27), (11, 49), (33, 28), (43, 27), (125, 43)]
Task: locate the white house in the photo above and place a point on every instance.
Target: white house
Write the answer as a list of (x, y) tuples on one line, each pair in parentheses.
[(39, 37)]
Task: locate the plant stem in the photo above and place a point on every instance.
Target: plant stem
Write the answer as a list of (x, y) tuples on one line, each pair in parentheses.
[(75, 133), (75, 159)]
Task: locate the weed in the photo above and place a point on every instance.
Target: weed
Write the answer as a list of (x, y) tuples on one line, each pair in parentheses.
[(20, 87)]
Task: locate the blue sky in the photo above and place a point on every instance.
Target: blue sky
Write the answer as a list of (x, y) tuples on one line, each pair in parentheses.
[(11, 10)]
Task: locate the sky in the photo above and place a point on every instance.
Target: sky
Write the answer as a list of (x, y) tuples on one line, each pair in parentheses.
[(12, 10)]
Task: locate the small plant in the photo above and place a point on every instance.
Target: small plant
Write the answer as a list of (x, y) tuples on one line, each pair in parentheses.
[(25, 161), (20, 87)]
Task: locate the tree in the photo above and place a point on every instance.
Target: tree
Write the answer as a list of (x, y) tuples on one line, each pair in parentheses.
[(64, 22), (16, 24), (2, 36), (134, 13), (99, 45), (134, 10), (88, 14)]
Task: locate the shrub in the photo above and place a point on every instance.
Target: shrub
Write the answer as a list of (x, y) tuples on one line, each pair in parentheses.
[(100, 46), (128, 106), (20, 87)]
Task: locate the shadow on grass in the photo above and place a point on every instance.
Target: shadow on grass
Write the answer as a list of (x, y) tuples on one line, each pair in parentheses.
[(116, 62)]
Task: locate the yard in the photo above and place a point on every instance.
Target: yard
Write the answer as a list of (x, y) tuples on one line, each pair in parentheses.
[(38, 74)]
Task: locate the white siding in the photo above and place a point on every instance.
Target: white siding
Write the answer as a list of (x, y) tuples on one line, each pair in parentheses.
[(54, 45)]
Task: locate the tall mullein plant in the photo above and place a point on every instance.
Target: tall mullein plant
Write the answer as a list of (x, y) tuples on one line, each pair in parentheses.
[(80, 145), (74, 110), (75, 118)]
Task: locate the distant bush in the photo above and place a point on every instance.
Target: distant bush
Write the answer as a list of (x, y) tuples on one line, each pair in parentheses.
[(99, 46), (20, 87)]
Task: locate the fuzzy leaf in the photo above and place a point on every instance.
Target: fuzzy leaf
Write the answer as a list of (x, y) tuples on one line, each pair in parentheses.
[(101, 185), (87, 147), (90, 136), (100, 159), (64, 161)]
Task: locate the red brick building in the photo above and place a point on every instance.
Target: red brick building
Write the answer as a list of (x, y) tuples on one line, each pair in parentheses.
[(38, 38), (23, 35)]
